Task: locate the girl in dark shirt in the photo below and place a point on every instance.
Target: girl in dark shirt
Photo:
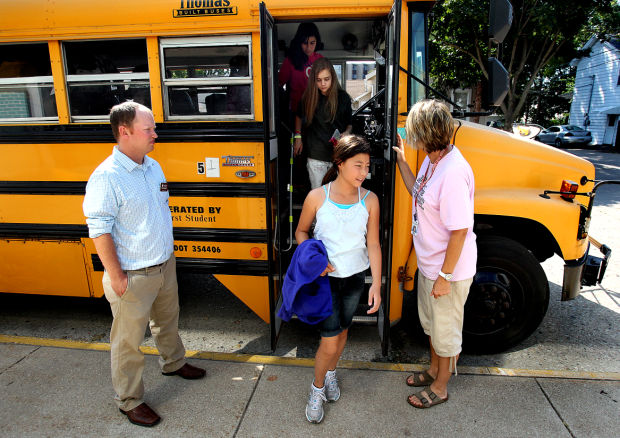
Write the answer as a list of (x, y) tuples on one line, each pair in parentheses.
[(324, 114)]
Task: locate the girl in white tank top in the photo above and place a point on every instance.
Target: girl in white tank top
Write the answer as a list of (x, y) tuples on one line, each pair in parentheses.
[(347, 222), (342, 229)]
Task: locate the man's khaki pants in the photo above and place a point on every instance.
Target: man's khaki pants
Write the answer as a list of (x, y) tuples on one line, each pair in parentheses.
[(152, 294)]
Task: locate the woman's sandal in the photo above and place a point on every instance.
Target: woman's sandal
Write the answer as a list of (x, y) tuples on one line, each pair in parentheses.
[(417, 379), (428, 401)]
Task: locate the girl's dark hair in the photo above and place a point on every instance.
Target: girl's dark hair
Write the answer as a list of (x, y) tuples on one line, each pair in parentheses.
[(310, 98), (297, 55), (347, 147)]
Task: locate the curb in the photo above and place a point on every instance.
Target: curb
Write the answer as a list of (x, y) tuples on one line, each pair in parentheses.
[(307, 362)]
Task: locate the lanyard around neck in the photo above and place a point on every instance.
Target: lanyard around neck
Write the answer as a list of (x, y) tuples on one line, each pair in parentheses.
[(425, 180)]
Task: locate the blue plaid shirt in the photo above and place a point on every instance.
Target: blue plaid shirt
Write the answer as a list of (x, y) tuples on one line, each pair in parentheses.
[(130, 201)]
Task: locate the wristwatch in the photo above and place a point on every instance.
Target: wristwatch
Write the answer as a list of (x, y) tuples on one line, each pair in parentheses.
[(448, 277)]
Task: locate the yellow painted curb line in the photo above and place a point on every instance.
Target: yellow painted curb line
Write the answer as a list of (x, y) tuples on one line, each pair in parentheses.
[(306, 362)]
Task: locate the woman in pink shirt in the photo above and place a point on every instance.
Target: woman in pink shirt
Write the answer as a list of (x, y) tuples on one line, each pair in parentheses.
[(444, 241), (296, 66)]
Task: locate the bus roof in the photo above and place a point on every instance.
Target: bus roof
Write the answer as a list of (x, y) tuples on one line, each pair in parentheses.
[(40, 20)]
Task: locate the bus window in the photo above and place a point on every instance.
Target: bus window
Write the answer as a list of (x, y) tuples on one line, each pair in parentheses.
[(360, 81), (26, 84), (417, 56), (207, 77), (101, 74)]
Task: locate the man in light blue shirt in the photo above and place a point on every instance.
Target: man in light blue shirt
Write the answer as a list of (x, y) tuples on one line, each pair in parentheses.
[(126, 209)]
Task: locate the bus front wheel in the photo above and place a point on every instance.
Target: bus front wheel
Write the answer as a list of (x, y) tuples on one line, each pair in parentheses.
[(508, 298)]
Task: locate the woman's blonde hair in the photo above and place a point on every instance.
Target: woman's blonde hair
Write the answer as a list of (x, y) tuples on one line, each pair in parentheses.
[(430, 122)]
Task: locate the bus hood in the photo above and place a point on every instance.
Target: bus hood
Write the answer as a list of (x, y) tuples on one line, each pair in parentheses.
[(505, 160)]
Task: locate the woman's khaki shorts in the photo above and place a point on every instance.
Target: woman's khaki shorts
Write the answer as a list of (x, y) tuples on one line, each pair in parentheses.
[(442, 318)]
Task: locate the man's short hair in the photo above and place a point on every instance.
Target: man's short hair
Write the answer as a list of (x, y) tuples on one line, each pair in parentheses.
[(123, 114)]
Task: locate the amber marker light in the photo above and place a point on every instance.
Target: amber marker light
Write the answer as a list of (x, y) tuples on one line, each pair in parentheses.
[(255, 252), (568, 189)]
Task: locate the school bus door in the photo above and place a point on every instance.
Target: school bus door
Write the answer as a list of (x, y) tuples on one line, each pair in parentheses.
[(269, 70), (268, 41), (392, 59)]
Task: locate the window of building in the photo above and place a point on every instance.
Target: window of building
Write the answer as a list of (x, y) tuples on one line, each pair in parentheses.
[(338, 67), (101, 74), (207, 77), (461, 98), (26, 84)]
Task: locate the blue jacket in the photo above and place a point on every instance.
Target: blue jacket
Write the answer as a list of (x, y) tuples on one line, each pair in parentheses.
[(304, 292)]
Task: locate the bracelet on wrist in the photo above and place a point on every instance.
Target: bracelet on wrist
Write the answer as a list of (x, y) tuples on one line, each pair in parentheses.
[(297, 136)]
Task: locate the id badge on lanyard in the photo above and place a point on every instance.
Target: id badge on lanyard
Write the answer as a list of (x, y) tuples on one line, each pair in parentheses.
[(415, 223)]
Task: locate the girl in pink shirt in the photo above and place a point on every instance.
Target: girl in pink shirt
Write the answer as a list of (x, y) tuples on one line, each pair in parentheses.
[(296, 66), (444, 241)]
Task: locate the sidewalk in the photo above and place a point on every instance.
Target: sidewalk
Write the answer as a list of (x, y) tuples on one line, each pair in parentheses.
[(50, 391)]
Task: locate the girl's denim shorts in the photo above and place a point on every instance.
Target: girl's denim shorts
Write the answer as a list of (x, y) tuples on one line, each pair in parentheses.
[(346, 293)]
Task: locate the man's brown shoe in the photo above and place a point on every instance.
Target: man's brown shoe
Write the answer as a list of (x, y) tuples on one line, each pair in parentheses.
[(142, 415), (188, 371)]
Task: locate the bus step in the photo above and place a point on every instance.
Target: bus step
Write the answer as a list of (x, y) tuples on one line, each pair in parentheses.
[(365, 319), (358, 319)]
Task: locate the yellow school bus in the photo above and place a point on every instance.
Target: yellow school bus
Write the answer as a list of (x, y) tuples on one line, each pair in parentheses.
[(208, 69)]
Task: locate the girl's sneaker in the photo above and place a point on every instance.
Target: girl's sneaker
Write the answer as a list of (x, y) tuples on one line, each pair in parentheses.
[(314, 408), (332, 390)]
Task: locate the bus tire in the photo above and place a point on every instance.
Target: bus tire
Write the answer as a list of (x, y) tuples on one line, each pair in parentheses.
[(508, 298)]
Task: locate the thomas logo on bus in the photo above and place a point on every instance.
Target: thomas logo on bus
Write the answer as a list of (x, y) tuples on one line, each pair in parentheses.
[(239, 161), (193, 8)]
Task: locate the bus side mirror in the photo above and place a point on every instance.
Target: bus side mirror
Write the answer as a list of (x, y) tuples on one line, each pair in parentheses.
[(497, 85), (500, 20)]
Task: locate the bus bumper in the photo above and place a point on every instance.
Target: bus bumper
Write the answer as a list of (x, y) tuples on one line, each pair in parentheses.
[(586, 271)]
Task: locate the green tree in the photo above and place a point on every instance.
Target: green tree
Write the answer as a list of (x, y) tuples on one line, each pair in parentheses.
[(548, 101), (542, 31)]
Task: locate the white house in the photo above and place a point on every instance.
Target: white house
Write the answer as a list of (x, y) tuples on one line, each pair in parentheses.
[(597, 91)]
